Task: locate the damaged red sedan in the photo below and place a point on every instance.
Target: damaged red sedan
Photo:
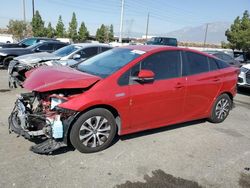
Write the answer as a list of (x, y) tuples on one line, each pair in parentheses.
[(122, 91)]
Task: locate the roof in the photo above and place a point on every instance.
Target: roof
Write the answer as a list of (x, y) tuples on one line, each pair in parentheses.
[(91, 45), (147, 48)]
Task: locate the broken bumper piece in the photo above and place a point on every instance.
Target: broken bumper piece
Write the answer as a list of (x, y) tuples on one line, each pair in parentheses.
[(23, 121)]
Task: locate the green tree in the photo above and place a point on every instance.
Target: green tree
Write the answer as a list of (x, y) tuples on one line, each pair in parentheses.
[(102, 34), (17, 28), (50, 31), (72, 31), (111, 33), (60, 29), (83, 33), (38, 25), (239, 33)]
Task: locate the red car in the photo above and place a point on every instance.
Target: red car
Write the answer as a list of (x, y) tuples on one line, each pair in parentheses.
[(122, 91)]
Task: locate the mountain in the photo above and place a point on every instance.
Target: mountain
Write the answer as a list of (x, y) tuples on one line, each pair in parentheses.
[(215, 33)]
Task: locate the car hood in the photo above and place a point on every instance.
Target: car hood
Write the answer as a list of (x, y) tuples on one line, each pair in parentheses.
[(48, 78), (247, 66), (36, 58)]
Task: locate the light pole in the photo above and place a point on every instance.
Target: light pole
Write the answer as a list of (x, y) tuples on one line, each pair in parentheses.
[(121, 22)]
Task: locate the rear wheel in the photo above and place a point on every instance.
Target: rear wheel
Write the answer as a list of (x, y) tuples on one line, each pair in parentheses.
[(221, 108), (93, 131), (6, 61)]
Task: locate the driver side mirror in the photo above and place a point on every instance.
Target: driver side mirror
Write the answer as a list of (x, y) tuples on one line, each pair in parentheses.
[(76, 56), (37, 50), (144, 76)]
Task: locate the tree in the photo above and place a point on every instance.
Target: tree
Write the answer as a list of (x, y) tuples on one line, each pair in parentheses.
[(239, 33), (50, 31), (17, 28), (72, 31), (111, 33), (83, 33), (38, 25), (102, 34), (60, 30)]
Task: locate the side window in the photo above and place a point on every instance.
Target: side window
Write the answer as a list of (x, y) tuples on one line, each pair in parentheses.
[(89, 52), (46, 47), (58, 46), (212, 64), (222, 64), (103, 49), (164, 64), (195, 63)]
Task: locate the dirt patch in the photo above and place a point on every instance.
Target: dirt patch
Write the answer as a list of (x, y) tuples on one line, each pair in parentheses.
[(244, 180), (161, 179)]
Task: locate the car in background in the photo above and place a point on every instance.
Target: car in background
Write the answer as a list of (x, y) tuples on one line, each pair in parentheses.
[(121, 91), (225, 57), (7, 54), (244, 76), (162, 41), (26, 42), (67, 56)]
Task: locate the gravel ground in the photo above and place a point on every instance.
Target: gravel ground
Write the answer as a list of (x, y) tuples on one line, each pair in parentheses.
[(196, 154)]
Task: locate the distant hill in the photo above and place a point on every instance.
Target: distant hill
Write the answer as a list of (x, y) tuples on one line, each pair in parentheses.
[(215, 34)]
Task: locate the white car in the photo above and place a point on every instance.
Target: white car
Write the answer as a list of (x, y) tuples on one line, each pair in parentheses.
[(244, 76)]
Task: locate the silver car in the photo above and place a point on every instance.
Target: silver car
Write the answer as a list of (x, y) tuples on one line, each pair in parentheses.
[(67, 56)]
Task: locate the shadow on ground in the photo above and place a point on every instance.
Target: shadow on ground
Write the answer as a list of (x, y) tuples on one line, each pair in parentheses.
[(244, 180), (244, 91), (162, 129), (160, 179)]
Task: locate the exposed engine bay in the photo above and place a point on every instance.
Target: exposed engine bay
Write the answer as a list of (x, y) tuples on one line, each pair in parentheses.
[(37, 115)]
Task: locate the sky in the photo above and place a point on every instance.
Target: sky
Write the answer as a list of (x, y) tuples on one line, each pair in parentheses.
[(164, 15)]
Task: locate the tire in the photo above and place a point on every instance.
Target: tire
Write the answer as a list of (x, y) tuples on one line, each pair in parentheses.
[(87, 137), (6, 61), (221, 108)]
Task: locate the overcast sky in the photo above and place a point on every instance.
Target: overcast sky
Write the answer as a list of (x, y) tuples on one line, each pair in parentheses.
[(165, 15)]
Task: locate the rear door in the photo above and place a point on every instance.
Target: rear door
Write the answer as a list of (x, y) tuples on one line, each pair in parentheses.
[(203, 84)]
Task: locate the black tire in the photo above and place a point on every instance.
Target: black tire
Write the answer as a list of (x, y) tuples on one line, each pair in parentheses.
[(221, 109), (98, 141), (6, 61)]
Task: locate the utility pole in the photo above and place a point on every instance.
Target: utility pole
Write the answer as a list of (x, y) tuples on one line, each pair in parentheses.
[(205, 39), (147, 27), (121, 22), (24, 14), (33, 8)]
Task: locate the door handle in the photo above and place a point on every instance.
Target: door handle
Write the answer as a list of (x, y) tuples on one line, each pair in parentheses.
[(216, 79), (179, 85)]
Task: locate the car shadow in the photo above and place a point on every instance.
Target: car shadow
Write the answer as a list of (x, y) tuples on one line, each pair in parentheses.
[(244, 91), (161, 129)]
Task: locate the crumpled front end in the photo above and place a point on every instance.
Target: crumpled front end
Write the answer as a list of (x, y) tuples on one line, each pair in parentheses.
[(37, 115)]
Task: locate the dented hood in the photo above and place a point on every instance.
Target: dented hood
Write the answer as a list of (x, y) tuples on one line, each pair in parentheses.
[(48, 78)]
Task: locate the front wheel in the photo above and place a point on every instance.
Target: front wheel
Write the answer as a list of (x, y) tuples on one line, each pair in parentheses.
[(93, 131), (221, 108), (6, 61)]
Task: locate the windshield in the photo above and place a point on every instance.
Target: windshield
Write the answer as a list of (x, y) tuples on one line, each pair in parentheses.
[(66, 50), (109, 62)]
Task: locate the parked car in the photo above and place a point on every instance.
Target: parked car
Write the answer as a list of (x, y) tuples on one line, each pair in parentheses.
[(7, 54), (225, 57), (244, 76), (67, 56), (162, 41), (26, 42), (121, 91)]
